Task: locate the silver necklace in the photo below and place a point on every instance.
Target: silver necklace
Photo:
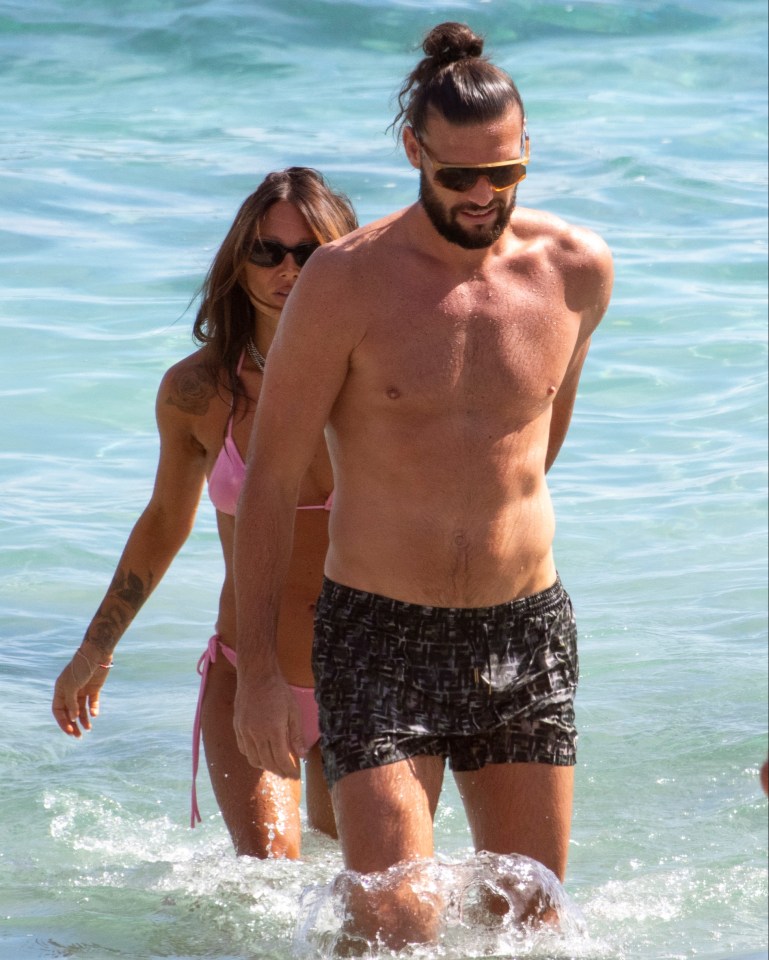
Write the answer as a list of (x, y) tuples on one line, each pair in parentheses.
[(253, 352)]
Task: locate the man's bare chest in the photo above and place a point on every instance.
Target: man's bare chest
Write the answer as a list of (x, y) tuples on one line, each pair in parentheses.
[(474, 345)]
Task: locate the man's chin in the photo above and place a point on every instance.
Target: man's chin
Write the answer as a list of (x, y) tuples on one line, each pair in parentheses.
[(444, 220), (477, 239)]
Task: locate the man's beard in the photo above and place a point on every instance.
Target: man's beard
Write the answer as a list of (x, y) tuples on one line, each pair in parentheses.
[(443, 219)]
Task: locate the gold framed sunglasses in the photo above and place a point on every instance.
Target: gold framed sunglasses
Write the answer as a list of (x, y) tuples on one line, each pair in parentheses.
[(460, 177)]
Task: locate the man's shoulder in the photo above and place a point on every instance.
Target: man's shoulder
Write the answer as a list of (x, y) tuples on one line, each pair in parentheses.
[(342, 279), (563, 239), (577, 254), (369, 239)]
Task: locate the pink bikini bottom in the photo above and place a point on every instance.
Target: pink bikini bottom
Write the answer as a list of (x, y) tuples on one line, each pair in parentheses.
[(305, 698)]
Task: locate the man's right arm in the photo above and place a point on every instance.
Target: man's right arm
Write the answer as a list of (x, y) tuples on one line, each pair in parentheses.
[(306, 370)]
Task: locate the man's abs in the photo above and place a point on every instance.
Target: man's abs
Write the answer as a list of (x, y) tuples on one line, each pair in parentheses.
[(422, 554)]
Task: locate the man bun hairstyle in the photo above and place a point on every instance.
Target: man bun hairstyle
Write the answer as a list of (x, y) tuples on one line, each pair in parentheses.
[(451, 41), (455, 79)]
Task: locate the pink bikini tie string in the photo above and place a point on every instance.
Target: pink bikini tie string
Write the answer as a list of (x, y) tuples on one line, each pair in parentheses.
[(207, 658)]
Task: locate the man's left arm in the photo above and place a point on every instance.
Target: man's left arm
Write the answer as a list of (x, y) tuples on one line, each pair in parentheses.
[(589, 278)]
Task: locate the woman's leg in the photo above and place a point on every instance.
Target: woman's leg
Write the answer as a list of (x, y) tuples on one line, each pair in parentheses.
[(261, 809)]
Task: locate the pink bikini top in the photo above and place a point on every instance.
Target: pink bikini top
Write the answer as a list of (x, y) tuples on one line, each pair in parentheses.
[(229, 472)]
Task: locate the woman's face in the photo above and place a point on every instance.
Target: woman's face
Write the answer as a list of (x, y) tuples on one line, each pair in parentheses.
[(269, 286)]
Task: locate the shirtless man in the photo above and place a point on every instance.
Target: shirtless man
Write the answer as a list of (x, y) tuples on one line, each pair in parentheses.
[(442, 347)]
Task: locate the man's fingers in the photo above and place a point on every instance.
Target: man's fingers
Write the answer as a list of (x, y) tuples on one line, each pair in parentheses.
[(249, 749), (269, 755), (295, 738), (270, 735), (284, 762)]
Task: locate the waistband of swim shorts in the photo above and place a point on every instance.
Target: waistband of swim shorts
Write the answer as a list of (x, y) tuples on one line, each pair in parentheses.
[(537, 604)]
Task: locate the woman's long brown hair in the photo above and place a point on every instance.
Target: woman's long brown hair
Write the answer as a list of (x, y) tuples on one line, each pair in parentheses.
[(225, 318)]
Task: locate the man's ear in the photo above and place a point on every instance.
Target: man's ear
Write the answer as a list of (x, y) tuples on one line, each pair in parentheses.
[(412, 148)]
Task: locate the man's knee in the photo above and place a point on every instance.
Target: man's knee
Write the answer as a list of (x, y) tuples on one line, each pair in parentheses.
[(394, 908)]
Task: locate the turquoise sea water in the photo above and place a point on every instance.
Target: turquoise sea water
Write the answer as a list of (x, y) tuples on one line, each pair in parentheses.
[(129, 134)]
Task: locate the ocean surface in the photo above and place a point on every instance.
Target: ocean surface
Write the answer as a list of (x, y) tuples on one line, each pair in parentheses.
[(129, 134)]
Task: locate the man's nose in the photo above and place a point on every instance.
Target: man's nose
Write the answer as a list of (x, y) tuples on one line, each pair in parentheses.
[(481, 192)]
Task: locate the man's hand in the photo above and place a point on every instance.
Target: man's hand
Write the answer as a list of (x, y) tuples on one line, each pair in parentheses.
[(267, 725)]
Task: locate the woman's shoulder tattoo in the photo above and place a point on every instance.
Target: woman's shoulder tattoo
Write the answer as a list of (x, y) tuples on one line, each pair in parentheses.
[(192, 390)]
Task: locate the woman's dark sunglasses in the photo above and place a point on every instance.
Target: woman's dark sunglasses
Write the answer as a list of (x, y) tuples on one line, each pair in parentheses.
[(501, 175), (270, 253)]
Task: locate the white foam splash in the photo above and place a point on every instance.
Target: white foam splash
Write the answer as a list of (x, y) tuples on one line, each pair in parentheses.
[(532, 914)]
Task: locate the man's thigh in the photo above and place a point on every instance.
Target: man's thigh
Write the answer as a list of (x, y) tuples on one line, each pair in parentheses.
[(385, 814), (520, 808)]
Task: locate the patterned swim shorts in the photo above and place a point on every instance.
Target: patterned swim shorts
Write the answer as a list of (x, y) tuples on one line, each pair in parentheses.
[(480, 685)]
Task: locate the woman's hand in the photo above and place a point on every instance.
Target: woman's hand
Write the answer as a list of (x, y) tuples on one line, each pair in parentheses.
[(77, 689)]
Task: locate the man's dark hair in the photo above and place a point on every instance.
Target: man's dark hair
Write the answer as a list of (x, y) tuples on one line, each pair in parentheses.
[(456, 80)]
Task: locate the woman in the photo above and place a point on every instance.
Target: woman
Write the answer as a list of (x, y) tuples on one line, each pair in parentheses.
[(205, 409)]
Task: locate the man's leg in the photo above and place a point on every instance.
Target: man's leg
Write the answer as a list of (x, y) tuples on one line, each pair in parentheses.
[(521, 808), (385, 816)]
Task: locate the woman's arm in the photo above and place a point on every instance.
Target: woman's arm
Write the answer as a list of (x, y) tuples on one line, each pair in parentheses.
[(154, 541)]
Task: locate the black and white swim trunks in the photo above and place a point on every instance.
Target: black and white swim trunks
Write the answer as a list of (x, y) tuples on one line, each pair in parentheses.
[(479, 685)]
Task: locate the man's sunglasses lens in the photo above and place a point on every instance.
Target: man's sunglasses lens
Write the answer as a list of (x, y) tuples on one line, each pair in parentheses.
[(270, 253), (461, 179)]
